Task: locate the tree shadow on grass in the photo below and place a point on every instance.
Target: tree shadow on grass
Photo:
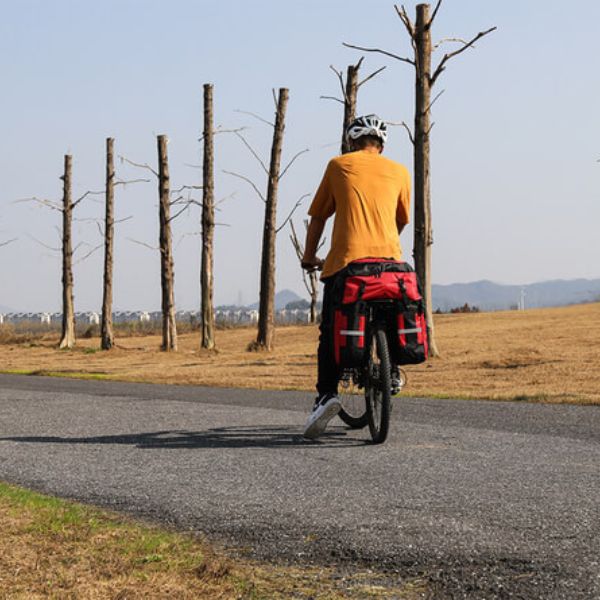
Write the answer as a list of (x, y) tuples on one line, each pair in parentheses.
[(268, 436)]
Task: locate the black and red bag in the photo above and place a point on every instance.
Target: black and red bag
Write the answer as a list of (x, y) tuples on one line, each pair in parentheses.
[(371, 279)]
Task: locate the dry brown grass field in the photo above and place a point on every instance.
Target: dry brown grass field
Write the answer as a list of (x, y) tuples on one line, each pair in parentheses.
[(545, 355)]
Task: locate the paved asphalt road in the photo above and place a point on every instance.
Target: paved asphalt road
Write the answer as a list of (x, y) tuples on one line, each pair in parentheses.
[(484, 499)]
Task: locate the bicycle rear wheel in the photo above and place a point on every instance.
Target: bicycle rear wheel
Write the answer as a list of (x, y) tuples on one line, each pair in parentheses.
[(353, 411), (378, 386)]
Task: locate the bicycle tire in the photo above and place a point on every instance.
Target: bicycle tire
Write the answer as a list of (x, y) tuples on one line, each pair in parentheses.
[(354, 411), (378, 386)]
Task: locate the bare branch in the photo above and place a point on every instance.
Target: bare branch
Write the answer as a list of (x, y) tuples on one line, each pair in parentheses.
[(298, 203), (79, 246), (449, 40), (88, 254), (223, 224), (292, 162), (122, 220), (86, 220), (186, 207), (299, 253), (434, 14), (41, 202), (411, 137), (259, 118), (384, 52), (406, 21), (371, 76), (331, 98), (42, 244), (218, 130), (139, 165), (434, 101), (189, 234), (274, 98), (340, 79), (143, 244), (88, 193), (296, 242), (127, 182), (260, 194), (222, 200), (7, 242), (329, 145), (186, 187), (441, 67), (253, 152)]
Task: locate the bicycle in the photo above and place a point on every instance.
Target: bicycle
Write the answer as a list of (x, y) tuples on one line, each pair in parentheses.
[(378, 377)]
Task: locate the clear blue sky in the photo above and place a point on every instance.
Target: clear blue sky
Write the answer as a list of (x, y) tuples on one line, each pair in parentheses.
[(516, 185)]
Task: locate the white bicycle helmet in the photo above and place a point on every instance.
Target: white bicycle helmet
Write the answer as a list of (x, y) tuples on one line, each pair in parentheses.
[(367, 125)]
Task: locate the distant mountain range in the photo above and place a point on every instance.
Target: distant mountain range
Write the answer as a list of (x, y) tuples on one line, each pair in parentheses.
[(488, 295)]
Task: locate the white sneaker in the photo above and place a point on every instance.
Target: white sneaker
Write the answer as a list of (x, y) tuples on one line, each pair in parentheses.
[(326, 407)]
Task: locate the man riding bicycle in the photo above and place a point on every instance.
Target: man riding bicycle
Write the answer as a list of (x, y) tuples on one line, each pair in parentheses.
[(369, 195)]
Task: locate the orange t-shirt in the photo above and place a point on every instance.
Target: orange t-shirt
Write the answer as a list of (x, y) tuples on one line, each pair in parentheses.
[(368, 193)]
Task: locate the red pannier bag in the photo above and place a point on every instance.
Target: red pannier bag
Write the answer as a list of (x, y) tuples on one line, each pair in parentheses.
[(371, 279)]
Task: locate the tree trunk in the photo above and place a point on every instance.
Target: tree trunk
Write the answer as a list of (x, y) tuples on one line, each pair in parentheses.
[(106, 327), (423, 237), (169, 328), (350, 102), (266, 312), (208, 224), (67, 339)]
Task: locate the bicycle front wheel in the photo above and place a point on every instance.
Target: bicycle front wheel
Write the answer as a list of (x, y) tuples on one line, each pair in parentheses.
[(378, 386)]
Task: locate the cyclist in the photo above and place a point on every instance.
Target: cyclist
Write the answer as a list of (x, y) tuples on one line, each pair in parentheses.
[(369, 195)]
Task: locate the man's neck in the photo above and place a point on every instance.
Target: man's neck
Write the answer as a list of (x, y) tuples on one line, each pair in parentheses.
[(371, 149)]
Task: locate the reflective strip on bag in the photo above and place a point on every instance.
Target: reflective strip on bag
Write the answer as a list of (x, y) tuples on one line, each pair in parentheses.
[(352, 332), (413, 330)]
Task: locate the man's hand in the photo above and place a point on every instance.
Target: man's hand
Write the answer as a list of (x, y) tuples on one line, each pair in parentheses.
[(312, 263), (309, 261)]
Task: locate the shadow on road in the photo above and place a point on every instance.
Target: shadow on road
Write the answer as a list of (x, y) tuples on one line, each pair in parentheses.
[(219, 437)]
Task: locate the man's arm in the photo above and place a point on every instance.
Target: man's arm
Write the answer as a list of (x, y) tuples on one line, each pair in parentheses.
[(313, 235)]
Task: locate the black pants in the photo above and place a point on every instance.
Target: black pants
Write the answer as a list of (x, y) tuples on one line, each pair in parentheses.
[(328, 373)]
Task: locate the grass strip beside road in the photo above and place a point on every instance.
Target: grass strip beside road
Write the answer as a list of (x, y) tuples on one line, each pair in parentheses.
[(53, 548)]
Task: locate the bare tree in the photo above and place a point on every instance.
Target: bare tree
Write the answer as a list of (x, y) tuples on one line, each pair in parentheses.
[(107, 338), (310, 279), (165, 245), (349, 89), (425, 78), (66, 207), (106, 327), (208, 224), (266, 309), (67, 338), (167, 275)]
